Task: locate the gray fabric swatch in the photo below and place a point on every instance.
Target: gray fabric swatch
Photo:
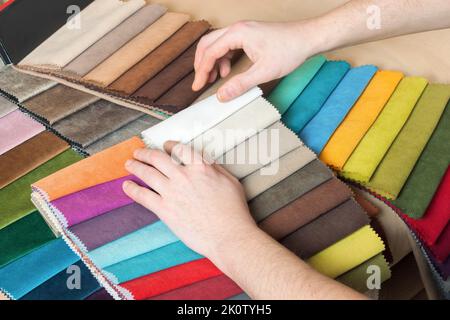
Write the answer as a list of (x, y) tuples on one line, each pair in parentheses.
[(6, 106)]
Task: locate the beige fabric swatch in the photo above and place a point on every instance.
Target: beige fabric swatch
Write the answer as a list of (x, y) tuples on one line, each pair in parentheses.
[(135, 50)]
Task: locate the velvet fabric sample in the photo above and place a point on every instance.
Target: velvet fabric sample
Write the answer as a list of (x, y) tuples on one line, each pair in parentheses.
[(441, 249), (428, 171), (135, 50), (319, 130), (97, 19), (101, 294), (309, 102), (368, 154), (58, 103), (6, 106), (360, 118), (22, 237), (56, 287), (327, 229), (369, 207), (100, 168), (216, 288), (115, 39), (36, 267), (29, 155), (155, 61), (286, 191), (399, 161), (95, 122), (294, 83), (15, 198), (305, 209)]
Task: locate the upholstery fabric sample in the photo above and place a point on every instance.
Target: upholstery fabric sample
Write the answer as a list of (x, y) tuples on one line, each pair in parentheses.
[(305, 209), (135, 50), (115, 39), (22, 237), (156, 60), (360, 118), (441, 249), (100, 168), (309, 102), (29, 155), (56, 287), (216, 288), (58, 103), (347, 253), (70, 40), (326, 230), (399, 161), (36, 267), (20, 86), (101, 294), (289, 189), (368, 154), (6, 106), (95, 122), (294, 83), (319, 130), (15, 198), (428, 171)]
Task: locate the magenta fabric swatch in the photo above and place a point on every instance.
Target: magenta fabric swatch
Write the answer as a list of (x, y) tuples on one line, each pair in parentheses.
[(16, 128), (92, 202)]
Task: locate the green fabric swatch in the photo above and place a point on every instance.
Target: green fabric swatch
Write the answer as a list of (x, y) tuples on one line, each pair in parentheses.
[(22, 237), (294, 83), (421, 185), (398, 163), (15, 198), (368, 154)]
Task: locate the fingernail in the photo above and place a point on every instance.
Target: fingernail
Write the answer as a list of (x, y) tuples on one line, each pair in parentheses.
[(225, 94)]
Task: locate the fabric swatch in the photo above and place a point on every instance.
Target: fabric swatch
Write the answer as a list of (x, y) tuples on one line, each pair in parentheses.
[(22, 237), (368, 154), (15, 198), (305, 209), (97, 19), (424, 180), (95, 122), (326, 230), (309, 102), (399, 161), (441, 249), (360, 118), (156, 60), (319, 130), (136, 49), (58, 103), (101, 294), (36, 267), (115, 39), (6, 106), (29, 155), (291, 86), (16, 128)]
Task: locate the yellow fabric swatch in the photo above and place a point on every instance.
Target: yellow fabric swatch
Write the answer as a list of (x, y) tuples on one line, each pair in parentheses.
[(347, 253), (360, 118)]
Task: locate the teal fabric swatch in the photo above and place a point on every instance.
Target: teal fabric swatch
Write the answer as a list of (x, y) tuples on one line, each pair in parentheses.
[(160, 259), (319, 130), (291, 86), (309, 102)]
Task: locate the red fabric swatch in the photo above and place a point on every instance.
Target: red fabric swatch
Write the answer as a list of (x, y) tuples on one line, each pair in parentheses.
[(3, 6), (441, 248), (170, 279), (217, 288)]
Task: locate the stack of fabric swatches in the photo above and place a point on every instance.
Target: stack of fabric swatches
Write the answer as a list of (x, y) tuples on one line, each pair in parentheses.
[(386, 132), (135, 256)]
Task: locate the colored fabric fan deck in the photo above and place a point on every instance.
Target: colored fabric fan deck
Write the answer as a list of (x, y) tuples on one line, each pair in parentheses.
[(6, 106)]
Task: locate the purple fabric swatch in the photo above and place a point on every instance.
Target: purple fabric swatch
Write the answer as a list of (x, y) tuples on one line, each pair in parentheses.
[(113, 225), (92, 202)]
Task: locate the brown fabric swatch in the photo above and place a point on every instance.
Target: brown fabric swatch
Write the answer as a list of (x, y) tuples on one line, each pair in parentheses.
[(155, 61), (268, 87), (368, 206), (327, 229), (306, 208), (29, 155), (58, 103)]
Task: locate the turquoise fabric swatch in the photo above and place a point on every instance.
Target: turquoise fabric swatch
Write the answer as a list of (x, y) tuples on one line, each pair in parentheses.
[(294, 83), (160, 259), (315, 94), (319, 130), (27, 273), (144, 240)]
